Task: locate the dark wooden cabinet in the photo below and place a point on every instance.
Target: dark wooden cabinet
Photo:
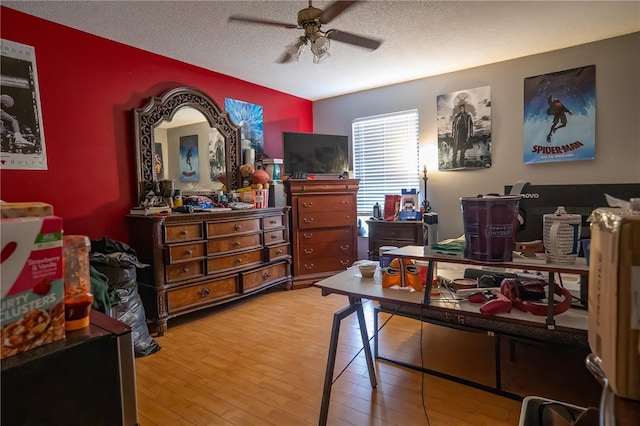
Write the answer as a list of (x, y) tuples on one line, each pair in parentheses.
[(87, 378), (393, 233), (200, 260), (323, 227)]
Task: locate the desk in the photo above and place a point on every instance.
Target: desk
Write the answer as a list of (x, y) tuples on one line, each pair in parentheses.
[(579, 268), (351, 284)]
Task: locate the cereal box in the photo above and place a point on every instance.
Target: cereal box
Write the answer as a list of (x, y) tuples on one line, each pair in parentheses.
[(32, 285), (614, 297)]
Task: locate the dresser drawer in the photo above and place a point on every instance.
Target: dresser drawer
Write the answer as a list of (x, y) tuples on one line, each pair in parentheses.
[(325, 235), (190, 251), (309, 250), (237, 260), (256, 279), (276, 252), (274, 237), (184, 271), (194, 295), (328, 203), (304, 186), (233, 243), (271, 222), (215, 229), (324, 264), (308, 220), (183, 232)]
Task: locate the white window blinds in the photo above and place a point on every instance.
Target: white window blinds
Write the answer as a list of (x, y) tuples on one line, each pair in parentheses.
[(386, 156)]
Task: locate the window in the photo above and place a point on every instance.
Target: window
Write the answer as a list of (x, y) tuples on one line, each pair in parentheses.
[(385, 156)]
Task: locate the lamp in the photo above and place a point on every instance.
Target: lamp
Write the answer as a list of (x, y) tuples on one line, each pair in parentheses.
[(425, 203), (295, 49), (320, 48)]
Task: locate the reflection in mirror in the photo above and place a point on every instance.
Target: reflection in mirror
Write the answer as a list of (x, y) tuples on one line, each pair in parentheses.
[(190, 152), (184, 136)]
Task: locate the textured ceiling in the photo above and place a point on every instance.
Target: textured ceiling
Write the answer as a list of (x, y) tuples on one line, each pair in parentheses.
[(420, 38)]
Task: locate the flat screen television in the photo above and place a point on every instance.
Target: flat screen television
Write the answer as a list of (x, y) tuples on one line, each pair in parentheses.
[(315, 154)]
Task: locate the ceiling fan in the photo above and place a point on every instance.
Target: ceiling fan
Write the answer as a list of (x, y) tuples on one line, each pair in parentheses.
[(311, 20)]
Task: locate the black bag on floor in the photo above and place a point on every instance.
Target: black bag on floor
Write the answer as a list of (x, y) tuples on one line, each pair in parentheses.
[(118, 262)]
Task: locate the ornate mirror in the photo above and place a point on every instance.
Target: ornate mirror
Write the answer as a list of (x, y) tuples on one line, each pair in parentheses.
[(184, 136)]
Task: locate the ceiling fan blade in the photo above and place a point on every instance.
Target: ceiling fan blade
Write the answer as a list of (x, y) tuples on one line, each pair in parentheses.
[(354, 39), (335, 9), (239, 18)]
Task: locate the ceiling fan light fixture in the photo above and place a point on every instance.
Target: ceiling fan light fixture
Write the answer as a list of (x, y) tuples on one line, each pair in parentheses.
[(295, 49), (320, 48)]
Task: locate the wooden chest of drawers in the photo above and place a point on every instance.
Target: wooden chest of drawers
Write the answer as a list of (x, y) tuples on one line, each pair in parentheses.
[(396, 233), (201, 260), (323, 227)]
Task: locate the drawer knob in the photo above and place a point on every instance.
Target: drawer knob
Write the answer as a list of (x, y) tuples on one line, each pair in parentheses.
[(273, 222), (238, 227), (274, 236), (266, 276), (239, 260), (345, 248), (188, 252), (345, 202), (308, 236), (236, 243), (184, 270), (308, 265), (204, 292), (307, 220), (279, 251), (307, 204), (345, 262), (308, 251), (183, 233)]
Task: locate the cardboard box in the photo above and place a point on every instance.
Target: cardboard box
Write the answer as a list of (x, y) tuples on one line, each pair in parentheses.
[(614, 298), (30, 209), (391, 206), (32, 285)]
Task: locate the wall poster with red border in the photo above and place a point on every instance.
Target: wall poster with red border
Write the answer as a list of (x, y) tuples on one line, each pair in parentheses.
[(21, 136), (560, 116)]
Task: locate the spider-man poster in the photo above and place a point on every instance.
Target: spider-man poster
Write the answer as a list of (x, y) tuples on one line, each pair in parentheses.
[(189, 170), (560, 116)]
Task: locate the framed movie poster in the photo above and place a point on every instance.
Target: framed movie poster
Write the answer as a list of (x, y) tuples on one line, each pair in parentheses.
[(249, 118), (158, 162), (189, 158), (216, 155), (21, 136), (560, 116), (464, 129)]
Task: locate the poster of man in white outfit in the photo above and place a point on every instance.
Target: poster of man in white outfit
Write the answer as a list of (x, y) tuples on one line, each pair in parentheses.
[(21, 136)]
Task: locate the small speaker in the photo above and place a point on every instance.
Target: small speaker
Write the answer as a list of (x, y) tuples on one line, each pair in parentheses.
[(276, 194)]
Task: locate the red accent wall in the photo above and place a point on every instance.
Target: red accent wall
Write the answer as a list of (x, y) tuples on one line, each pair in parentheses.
[(88, 89)]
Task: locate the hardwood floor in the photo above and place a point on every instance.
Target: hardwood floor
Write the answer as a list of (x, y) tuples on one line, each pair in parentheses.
[(261, 361)]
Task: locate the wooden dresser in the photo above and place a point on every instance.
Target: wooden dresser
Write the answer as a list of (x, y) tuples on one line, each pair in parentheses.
[(393, 233), (323, 227), (199, 260)]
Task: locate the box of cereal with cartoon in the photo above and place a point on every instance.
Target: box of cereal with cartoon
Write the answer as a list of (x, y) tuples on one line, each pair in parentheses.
[(32, 284)]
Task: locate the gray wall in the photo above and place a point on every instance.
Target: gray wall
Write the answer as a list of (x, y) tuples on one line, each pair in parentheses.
[(617, 158)]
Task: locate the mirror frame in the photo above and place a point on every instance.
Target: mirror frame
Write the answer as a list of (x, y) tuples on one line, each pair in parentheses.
[(158, 109)]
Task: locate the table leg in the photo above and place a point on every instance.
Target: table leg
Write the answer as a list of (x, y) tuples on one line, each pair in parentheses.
[(355, 305)]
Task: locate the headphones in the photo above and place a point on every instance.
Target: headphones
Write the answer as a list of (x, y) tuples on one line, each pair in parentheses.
[(527, 296)]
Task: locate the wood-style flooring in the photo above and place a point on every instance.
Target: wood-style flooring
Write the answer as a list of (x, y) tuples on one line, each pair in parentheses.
[(261, 361)]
